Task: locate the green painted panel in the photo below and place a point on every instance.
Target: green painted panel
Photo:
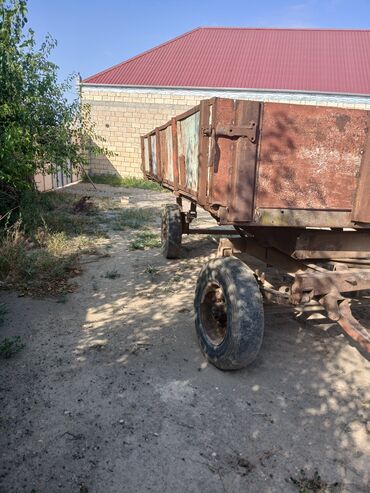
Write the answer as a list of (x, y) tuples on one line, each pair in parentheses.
[(188, 142)]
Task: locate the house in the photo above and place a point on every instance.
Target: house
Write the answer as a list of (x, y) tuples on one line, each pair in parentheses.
[(310, 66)]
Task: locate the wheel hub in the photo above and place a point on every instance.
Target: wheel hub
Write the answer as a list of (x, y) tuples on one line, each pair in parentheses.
[(214, 313)]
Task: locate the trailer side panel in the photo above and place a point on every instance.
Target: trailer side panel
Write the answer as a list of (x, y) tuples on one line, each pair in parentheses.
[(309, 157)]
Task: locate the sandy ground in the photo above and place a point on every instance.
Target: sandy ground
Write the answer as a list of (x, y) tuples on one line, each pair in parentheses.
[(112, 394)]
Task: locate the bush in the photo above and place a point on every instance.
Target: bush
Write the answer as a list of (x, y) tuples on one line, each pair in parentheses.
[(39, 252), (40, 129)]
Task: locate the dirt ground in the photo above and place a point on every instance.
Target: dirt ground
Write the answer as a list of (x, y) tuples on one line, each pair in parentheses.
[(112, 394)]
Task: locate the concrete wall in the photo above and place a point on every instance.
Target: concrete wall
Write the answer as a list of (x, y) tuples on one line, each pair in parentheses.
[(122, 115)]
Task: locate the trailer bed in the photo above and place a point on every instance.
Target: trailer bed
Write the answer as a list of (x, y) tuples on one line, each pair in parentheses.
[(266, 164)]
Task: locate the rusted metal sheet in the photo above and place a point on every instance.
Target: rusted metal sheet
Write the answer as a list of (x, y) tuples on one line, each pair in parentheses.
[(232, 158), (166, 153), (267, 164), (319, 244), (361, 210), (309, 156), (175, 155), (146, 154), (301, 218), (221, 153), (205, 122), (243, 173)]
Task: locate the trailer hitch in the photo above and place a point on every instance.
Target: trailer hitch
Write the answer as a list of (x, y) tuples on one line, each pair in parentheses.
[(339, 310)]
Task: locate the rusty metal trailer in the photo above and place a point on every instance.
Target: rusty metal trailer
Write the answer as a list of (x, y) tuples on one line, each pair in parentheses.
[(293, 181)]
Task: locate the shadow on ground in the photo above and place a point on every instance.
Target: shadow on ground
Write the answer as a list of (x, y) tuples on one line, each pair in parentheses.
[(113, 394)]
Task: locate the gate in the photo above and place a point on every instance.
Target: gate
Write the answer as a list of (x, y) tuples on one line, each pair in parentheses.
[(51, 181)]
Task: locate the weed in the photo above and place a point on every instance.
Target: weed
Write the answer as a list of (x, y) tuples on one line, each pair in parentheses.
[(126, 182), (152, 270), (168, 288), (33, 269), (3, 312), (39, 252), (169, 285), (10, 346), (145, 240), (112, 274), (314, 485), (132, 218), (54, 212)]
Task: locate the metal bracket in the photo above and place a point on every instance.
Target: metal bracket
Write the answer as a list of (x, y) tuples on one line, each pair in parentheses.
[(249, 131)]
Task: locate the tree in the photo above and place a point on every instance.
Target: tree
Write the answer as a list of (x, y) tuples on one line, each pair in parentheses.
[(39, 128)]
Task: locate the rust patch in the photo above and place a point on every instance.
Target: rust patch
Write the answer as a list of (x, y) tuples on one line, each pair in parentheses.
[(223, 153), (298, 170), (341, 121)]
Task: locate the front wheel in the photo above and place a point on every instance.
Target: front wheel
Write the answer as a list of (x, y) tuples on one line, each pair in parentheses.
[(229, 317), (171, 231)]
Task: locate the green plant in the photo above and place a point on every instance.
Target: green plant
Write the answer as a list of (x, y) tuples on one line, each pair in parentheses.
[(54, 211), (132, 218), (10, 346), (169, 286), (152, 270), (145, 240), (40, 251), (313, 485), (126, 182), (41, 130), (112, 274), (3, 312)]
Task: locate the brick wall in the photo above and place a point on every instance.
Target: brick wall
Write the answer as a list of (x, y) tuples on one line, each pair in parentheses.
[(123, 115), (121, 118)]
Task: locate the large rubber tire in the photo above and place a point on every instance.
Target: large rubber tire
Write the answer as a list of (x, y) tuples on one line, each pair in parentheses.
[(229, 318), (171, 231)]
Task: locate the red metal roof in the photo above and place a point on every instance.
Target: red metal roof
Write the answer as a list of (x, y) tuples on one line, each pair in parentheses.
[(313, 60)]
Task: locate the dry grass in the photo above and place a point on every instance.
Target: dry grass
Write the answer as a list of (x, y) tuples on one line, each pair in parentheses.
[(39, 253), (132, 218)]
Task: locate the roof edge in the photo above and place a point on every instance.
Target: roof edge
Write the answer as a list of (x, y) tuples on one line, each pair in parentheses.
[(236, 89), (142, 54), (328, 29)]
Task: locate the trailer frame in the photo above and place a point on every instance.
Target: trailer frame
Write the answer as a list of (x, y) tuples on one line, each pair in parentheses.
[(324, 246)]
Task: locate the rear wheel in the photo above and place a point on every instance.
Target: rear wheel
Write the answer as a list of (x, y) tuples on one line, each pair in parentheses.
[(229, 317), (171, 231)]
